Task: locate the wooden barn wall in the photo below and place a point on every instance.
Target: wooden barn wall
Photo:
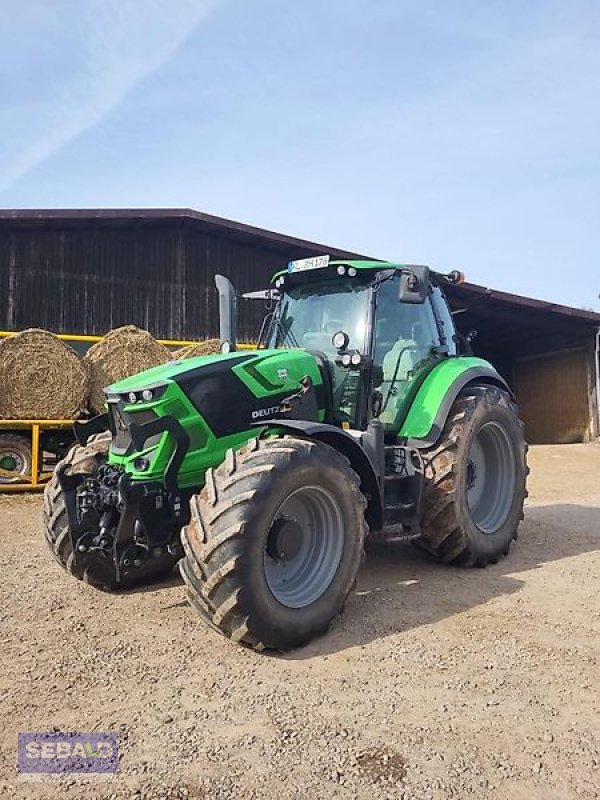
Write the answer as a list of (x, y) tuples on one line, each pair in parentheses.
[(88, 280), (553, 396)]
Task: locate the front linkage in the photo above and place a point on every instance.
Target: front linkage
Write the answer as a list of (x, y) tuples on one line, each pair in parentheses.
[(121, 526)]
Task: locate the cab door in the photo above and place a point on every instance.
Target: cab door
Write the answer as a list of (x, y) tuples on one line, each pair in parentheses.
[(406, 346)]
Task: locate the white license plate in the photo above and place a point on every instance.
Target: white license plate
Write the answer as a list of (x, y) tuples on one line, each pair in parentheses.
[(316, 262)]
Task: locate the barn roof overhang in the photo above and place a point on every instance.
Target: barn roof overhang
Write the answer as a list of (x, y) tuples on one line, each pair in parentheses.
[(509, 325), (140, 217)]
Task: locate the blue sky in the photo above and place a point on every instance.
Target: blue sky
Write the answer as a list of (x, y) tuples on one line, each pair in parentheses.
[(459, 134)]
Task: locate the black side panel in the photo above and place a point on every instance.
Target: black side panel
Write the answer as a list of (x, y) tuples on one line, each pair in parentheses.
[(325, 369), (225, 403)]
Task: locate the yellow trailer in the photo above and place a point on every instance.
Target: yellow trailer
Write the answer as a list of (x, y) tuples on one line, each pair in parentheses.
[(21, 453)]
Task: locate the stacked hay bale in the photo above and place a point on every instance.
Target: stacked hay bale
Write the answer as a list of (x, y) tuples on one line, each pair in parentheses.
[(41, 378), (121, 353), (207, 348)]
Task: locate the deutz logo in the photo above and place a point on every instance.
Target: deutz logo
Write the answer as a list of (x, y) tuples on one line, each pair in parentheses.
[(265, 412)]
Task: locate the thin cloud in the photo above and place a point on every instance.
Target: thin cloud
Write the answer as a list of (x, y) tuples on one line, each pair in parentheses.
[(119, 43)]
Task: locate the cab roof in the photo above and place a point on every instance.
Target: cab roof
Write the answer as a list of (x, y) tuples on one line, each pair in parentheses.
[(362, 264)]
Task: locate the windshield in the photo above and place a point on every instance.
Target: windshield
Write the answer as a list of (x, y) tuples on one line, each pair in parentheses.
[(309, 315)]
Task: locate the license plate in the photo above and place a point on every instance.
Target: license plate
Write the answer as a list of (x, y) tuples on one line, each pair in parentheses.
[(316, 262)]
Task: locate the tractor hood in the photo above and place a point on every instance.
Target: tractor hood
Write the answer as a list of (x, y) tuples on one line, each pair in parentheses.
[(251, 380), (169, 371), (217, 400)]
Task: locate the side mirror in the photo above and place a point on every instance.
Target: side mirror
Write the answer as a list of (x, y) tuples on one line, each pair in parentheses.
[(414, 285), (262, 294)]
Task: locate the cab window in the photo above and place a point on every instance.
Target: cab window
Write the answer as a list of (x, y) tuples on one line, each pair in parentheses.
[(445, 316)]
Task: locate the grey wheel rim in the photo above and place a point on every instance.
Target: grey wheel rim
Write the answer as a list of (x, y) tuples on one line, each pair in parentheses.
[(304, 546), (491, 477), (12, 461)]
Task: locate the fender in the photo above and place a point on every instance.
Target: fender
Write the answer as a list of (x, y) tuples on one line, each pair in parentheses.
[(350, 448), (429, 410)]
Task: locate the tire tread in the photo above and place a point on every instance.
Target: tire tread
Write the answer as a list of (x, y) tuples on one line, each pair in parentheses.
[(443, 535), (213, 542)]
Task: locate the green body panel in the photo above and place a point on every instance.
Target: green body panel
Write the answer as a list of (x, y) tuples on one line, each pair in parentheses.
[(262, 375), (432, 393), (267, 373)]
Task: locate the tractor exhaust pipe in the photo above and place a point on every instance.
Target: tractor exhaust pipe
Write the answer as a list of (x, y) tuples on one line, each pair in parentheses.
[(227, 315)]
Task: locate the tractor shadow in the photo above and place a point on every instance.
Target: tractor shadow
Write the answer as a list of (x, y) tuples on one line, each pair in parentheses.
[(399, 589), (170, 581)]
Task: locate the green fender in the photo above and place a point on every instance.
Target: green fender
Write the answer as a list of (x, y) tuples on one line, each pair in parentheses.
[(431, 405)]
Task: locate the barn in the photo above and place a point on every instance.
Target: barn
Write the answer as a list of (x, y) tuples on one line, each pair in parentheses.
[(86, 271)]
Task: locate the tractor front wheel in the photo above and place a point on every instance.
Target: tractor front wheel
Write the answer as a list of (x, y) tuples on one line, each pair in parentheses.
[(475, 480), (274, 542)]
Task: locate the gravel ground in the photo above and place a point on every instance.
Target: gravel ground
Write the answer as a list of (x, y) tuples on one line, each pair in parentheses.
[(435, 683)]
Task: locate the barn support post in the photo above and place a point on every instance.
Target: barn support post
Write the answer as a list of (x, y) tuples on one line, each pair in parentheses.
[(595, 392)]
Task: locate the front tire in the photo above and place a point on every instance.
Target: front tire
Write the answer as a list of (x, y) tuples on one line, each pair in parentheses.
[(475, 480), (274, 542)]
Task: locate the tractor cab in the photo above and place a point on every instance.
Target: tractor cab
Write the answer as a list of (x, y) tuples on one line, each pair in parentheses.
[(376, 329)]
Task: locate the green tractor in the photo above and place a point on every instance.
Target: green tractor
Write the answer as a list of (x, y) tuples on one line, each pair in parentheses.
[(361, 415)]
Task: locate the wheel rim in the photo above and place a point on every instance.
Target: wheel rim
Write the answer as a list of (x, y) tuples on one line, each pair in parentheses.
[(491, 478), (12, 461), (304, 546)]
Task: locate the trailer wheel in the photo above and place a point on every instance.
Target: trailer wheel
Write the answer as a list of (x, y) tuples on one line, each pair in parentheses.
[(102, 575), (475, 480), (15, 456), (274, 542)]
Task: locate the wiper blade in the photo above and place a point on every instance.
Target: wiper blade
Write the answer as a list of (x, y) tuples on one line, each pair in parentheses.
[(285, 333)]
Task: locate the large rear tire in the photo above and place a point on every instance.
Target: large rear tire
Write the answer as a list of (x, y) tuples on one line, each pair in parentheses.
[(274, 542), (101, 574), (475, 480)]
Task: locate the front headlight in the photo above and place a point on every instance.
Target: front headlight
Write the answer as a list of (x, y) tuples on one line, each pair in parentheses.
[(147, 395)]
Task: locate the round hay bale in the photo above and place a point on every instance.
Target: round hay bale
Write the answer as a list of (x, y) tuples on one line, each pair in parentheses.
[(121, 353), (207, 348), (41, 377)]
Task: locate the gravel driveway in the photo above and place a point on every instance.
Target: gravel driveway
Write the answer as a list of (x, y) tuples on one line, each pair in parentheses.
[(436, 683)]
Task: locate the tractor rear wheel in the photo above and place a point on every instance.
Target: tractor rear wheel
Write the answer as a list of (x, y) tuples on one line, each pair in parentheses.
[(475, 480), (102, 575), (274, 542)]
